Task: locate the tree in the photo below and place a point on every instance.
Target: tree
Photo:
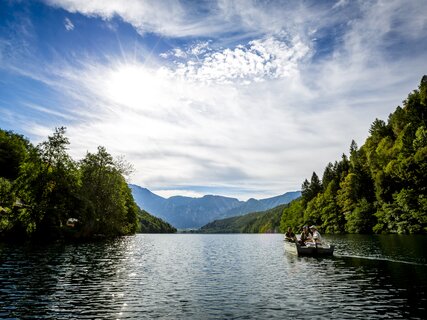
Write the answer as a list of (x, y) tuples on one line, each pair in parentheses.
[(328, 175), (13, 152), (292, 216), (48, 184), (312, 188), (111, 208), (361, 219), (347, 195)]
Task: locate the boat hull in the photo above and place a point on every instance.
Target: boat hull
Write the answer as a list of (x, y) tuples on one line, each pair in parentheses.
[(318, 250)]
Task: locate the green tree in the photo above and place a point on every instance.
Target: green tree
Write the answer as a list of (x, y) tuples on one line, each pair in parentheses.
[(312, 188), (361, 219), (47, 185), (332, 218), (111, 209), (150, 224), (328, 175), (13, 152), (292, 215)]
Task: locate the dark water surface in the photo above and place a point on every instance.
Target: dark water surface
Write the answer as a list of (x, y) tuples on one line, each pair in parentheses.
[(214, 277)]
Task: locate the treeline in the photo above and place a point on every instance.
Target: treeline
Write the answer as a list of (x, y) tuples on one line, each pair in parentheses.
[(151, 224), (45, 194), (257, 222), (381, 187)]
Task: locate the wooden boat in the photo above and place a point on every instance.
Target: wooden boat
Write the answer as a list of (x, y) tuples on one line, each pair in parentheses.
[(310, 249)]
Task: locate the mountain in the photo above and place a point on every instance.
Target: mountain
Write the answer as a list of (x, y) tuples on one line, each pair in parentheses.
[(191, 213), (255, 222), (149, 199), (253, 205)]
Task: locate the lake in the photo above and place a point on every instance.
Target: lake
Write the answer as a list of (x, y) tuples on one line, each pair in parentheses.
[(195, 276)]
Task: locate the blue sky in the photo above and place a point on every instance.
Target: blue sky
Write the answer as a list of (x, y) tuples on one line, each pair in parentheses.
[(238, 98)]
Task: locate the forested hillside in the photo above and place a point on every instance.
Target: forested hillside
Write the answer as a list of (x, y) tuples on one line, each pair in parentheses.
[(151, 224), (380, 187), (256, 222), (45, 194)]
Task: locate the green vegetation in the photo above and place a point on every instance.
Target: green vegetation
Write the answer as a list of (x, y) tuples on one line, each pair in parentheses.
[(151, 224), (256, 222), (381, 187), (44, 194)]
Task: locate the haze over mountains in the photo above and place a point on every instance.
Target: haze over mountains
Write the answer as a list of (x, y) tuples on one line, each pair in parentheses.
[(191, 213)]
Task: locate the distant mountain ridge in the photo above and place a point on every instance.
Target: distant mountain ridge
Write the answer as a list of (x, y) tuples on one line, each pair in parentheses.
[(187, 213)]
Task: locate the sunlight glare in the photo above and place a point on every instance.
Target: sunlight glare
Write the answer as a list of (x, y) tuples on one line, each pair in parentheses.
[(135, 86)]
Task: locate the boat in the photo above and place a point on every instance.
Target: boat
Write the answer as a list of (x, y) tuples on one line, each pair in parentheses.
[(311, 249)]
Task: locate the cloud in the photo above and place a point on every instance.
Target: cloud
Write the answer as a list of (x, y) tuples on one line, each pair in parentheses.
[(265, 136), (182, 192), (260, 59), (50, 111), (69, 26), (251, 114), (169, 17), (340, 3), (214, 19), (175, 131)]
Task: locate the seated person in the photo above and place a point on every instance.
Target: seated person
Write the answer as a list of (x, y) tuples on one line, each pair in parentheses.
[(290, 235), (317, 238), (305, 236)]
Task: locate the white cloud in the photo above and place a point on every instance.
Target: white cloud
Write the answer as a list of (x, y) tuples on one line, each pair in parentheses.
[(185, 193), (176, 52), (260, 59), (190, 122), (340, 3), (215, 19), (50, 111), (175, 131), (265, 137), (69, 26), (200, 48), (167, 17)]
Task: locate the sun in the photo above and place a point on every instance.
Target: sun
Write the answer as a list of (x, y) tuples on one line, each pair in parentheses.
[(135, 86)]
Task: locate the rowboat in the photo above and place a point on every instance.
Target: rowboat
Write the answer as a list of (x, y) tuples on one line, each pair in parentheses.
[(310, 249)]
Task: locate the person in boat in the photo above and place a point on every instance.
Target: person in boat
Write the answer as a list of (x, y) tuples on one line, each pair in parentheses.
[(290, 235), (317, 238), (305, 236)]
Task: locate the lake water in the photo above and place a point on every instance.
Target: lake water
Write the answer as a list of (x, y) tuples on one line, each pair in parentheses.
[(191, 276)]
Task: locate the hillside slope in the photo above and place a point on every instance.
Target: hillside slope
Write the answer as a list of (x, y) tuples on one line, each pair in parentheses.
[(256, 222), (151, 224)]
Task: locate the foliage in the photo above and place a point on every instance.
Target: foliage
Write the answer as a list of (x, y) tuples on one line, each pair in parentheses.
[(311, 189), (13, 151), (256, 222), (381, 188), (42, 187), (151, 224), (292, 216), (112, 210)]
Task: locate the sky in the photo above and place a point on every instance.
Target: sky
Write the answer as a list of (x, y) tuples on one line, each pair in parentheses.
[(236, 98)]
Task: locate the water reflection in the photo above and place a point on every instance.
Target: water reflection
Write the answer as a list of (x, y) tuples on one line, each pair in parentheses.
[(47, 281), (213, 276), (404, 248)]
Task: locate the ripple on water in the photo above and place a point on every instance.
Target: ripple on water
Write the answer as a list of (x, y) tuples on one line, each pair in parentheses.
[(206, 277)]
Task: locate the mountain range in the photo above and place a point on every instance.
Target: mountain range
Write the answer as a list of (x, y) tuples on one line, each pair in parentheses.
[(192, 213)]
